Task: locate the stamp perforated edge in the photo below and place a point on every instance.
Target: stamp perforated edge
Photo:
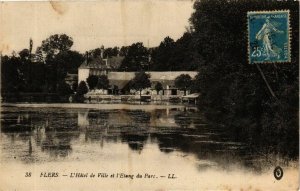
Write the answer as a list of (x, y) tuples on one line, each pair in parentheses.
[(289, 35)]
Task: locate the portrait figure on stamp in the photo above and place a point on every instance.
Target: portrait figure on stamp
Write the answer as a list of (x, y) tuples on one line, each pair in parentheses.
[(265, 34)]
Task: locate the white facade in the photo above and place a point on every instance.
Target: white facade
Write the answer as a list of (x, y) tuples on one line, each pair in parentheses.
[(83, 74), (120, 79)]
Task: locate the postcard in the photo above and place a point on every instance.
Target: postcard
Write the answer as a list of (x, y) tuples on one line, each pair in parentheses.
[(149, 95)]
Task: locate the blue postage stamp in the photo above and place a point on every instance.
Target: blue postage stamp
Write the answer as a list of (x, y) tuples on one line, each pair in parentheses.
[(268, 36)]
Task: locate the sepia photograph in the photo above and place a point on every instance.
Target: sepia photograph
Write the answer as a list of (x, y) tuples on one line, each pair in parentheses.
[(162, 95)]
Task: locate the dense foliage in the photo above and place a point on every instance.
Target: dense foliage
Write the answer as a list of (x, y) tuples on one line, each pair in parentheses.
[(92, 81), (233, 92), (158, 87), (43, 71), (140, 81), (103, 82), (136, 58), (63, 89), (183, 82), (175, 56)]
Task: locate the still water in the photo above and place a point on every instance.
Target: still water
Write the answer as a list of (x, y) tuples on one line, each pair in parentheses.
[(171, 147)]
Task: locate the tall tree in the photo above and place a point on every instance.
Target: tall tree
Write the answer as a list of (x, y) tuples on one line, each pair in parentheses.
[(158, 87), (176, 56), (136, 58), (124, 50), (103, 82), (39, 57), (82, 88), (12, 78), (184, 55), (64, 89), (52, 48), (56, 44), (24, 54), (141, 81), (68, 61), (92, 81), (183, 82), (231, 89), (109, 52), (161, 55)]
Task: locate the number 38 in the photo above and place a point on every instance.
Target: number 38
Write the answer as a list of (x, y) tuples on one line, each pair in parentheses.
[(28, 174)]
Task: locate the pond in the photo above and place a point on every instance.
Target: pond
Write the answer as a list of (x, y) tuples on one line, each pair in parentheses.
[(169, 146)]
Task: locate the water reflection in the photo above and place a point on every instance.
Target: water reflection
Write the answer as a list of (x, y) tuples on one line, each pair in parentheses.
[(52, 134)]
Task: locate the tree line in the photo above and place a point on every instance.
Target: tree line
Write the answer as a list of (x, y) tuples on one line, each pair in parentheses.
[(45, 70), (234, 92)]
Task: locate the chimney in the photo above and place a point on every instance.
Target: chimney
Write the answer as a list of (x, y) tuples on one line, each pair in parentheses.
[(102, 51), (87, 57)]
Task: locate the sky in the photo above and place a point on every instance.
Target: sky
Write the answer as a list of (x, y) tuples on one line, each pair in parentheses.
[(92, 23)]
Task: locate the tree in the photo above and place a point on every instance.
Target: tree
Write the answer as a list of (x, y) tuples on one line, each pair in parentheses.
[(184, 55), (39, 57), (103, 82), (95, 53), (141, 81), (124, 50), (158, 87), (74, 86), (24, 54), (51, 51), (109, 52), (115, 90), (92, 81), (175, 56), (68, 61), (81, 90), (64, 89), (183, 82), (12, 77), (232, 91), (56, 44), (25, 68), (136, 59), (162, 54)]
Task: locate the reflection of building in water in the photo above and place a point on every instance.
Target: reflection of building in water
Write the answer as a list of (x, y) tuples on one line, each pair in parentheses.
[(83, 119), (119, 118), (215, 146)]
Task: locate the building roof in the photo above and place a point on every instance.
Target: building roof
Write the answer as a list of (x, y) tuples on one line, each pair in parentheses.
[(95, 63), (102, 64), (115, 61), (164, 83), (121, 79), (154, 76), (120, 83)]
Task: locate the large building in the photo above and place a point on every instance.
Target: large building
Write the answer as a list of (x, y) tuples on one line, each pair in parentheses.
[(99, 66), (167, 79)]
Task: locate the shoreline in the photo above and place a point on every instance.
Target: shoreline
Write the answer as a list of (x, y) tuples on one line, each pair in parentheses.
[(103, 106)]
